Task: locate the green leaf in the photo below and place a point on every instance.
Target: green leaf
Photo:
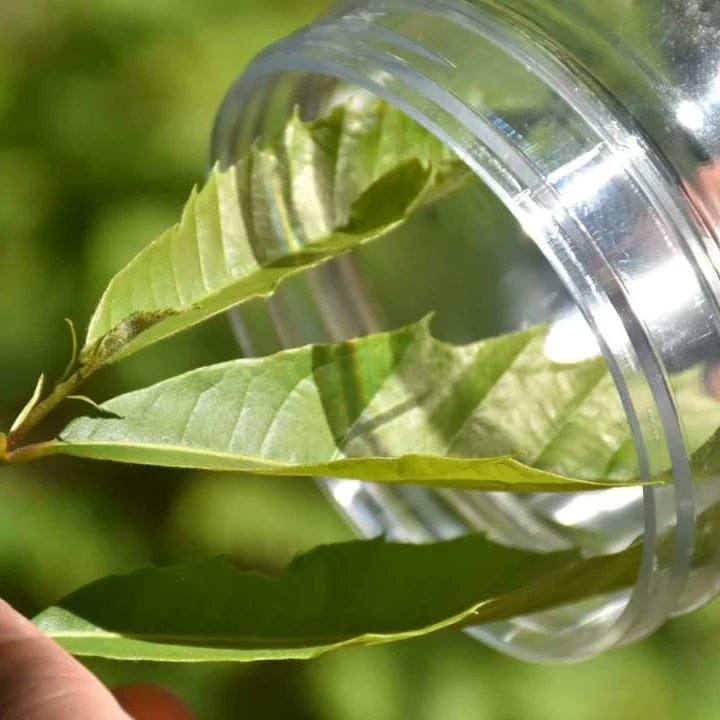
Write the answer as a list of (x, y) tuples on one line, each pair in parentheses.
[(392, 407), (357, 593), (317, 190)]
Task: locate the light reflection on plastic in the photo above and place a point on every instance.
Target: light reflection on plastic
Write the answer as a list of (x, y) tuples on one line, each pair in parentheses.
[(658, 293), (582, 180), (344, 491), (587, 506), (690, 115), (570, 339)]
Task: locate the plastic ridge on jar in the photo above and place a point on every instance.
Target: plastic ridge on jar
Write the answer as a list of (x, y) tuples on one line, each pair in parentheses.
[(595, 138)]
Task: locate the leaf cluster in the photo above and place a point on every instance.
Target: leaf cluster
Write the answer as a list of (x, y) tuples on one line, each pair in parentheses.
[(396, 407)]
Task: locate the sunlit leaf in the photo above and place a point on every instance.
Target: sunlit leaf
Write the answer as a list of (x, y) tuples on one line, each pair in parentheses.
[(402, 406), (318, 190)]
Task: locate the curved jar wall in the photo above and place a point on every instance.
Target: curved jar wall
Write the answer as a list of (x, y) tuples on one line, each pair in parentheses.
[(592, 211)]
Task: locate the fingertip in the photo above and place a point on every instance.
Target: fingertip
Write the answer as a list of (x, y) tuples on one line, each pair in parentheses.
[(39, 680)]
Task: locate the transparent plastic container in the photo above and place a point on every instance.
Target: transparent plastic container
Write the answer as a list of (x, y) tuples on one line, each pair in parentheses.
[(594, 132)]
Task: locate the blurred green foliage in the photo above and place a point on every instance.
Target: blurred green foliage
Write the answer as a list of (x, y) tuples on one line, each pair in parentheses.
[(105, 114)]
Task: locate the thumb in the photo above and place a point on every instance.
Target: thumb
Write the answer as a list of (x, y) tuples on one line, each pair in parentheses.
[(40, 681)]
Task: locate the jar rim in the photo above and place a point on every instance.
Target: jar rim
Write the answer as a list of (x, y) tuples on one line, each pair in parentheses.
[(532, 190)]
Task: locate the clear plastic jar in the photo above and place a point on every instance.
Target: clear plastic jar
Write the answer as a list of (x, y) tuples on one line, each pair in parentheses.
[(594, 131)]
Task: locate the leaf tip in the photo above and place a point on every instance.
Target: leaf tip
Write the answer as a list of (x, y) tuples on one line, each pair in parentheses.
[(34, 400)]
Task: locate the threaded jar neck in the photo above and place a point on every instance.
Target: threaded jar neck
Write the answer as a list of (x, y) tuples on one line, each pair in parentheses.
[(605, 209)]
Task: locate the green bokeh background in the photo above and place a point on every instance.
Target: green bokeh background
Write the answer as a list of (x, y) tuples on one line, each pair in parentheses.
[(105, 113)]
